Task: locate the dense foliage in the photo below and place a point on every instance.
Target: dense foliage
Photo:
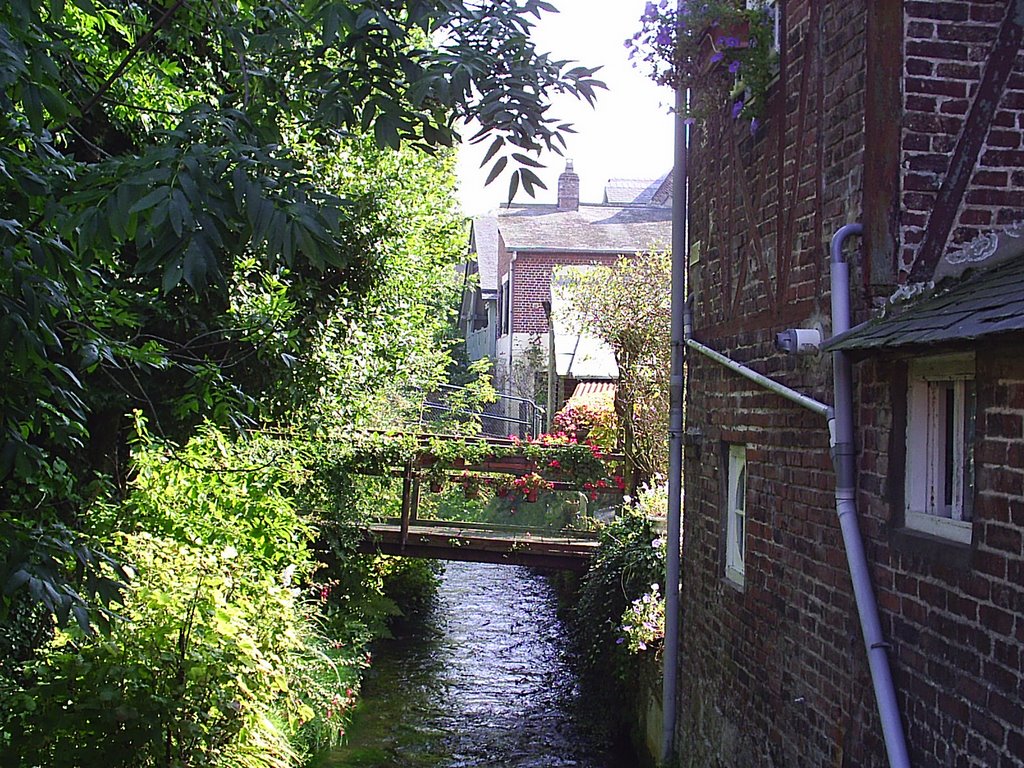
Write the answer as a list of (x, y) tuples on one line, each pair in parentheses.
[(227, 229), (226, 649), (196, 221), (630, 559)]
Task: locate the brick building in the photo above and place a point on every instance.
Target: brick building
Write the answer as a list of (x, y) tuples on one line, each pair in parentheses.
[(520, 247), (907, 117)]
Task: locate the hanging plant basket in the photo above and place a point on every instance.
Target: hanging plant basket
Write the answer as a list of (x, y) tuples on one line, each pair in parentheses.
[(717, 39)]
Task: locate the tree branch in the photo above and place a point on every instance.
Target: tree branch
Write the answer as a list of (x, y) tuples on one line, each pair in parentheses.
[(141, 43)]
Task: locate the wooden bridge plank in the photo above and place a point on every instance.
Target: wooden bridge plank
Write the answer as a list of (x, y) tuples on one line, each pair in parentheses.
[(476, 545)]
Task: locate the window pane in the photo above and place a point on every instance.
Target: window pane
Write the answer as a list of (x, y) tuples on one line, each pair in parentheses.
[(949, 459), (970, 409)]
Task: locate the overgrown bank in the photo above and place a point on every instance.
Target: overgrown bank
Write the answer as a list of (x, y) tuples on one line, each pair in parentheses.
[(616, 612), (241, 634)]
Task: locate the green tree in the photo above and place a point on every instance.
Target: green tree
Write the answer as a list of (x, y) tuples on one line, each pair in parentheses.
[(177, 232), (628, 307)]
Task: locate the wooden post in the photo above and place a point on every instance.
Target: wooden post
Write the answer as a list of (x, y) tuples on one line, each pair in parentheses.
[(415, 501), (406, 502)]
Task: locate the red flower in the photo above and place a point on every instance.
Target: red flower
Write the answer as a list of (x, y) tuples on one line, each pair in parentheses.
[(554, 464)]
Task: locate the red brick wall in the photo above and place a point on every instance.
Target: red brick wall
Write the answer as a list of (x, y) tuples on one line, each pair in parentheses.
[(776, 673), (531, 284), (953, 616), (947, 51)]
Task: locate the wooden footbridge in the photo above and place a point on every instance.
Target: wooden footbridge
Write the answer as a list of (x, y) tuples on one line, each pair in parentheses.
[(481, 543), (497, 462)]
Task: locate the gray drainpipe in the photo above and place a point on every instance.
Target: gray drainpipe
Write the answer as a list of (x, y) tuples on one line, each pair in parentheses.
[(673, 533), (840, 424), (844, 458)]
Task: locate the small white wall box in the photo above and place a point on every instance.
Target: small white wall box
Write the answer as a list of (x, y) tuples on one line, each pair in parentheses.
[(799, 341)]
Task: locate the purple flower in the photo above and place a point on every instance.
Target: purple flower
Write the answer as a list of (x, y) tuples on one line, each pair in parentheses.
[(737, 108), (664, 36), (620, 641), (717, 56), (734, 67), (754, 125)]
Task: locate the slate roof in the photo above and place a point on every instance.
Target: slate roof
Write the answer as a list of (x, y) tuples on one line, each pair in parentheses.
[(983, 305), (591, 229), (633, 191), (484, 243)]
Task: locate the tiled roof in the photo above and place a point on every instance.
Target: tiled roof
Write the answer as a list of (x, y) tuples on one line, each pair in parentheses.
[(484, 243), (632, 191), (592, 228), (587, 388), (983, 305)]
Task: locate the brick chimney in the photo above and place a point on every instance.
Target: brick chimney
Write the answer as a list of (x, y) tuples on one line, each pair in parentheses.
[(568, 189)]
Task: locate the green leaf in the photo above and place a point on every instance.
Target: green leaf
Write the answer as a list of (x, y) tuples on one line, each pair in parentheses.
[(531, 180), (148, 201), (173, 273), (526, 160), (499, 166), (513, 186), (33, 107), (495, 146), (195, 264)]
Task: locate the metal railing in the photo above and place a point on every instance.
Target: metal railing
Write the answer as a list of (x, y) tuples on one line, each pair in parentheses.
[(508, 415)]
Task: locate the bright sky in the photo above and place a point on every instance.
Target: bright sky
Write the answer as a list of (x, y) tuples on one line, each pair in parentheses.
[(627, 135)]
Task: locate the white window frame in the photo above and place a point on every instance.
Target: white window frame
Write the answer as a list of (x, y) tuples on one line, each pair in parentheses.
[(935, 459), (505, 308), (736, 514)]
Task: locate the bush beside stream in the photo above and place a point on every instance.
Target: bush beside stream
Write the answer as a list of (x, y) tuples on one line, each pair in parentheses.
[(232, 644)]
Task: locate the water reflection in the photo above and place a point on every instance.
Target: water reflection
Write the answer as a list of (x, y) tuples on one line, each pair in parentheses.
[(484, 679)]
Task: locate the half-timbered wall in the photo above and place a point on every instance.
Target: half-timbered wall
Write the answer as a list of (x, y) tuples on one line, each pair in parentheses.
[(773, 672), (906, 116), (962, 154)]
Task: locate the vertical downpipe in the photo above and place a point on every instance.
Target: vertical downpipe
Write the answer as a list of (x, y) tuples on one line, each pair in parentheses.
[(675, 430), (844, 458)]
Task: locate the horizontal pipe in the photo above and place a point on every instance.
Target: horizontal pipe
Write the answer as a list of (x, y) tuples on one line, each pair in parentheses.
[(770, 384)]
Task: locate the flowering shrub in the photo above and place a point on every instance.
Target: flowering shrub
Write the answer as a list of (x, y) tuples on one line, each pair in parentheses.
[(592, 417), (684, 47), (630, 558), (643, 623), (528, 486)]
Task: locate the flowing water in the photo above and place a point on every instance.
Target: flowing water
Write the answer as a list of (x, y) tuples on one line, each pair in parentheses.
[(485, 678)]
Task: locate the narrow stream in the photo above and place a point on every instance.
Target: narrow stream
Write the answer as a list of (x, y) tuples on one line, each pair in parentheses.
[(483, 679)]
